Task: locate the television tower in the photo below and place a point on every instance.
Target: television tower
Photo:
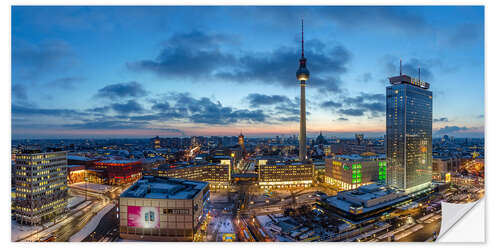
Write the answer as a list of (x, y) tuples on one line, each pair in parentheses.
[(302, 76)]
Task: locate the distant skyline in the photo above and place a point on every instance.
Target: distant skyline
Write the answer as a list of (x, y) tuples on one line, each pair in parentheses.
[(138, 72)]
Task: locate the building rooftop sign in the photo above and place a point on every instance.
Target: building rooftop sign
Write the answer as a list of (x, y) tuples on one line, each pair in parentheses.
[(405, 79)]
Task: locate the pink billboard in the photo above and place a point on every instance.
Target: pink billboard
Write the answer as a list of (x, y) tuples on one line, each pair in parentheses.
[(143, 217)]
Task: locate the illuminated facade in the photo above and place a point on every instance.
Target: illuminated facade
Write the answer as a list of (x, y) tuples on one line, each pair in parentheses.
[(409, 133), (118, 172), (162, 209), (241, 141), (443, 167), (352, 171), (217, 174), (41, 186), (286, 175)]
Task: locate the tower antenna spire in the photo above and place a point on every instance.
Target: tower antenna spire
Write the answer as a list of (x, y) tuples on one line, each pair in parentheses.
[(302, 37)]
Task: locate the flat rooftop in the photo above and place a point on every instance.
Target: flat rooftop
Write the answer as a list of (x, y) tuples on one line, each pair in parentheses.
[(405, 79), (357, 157), (119, 162), (173, 167), (152, 187), (355, 198)]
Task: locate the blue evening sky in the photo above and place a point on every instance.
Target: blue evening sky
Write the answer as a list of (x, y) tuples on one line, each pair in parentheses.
[(80, 72)]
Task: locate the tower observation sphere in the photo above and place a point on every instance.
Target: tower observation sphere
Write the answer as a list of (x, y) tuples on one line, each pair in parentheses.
[(302, 72)]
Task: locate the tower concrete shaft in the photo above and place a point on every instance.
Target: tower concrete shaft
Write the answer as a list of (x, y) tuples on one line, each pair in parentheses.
[(303, 76), (302, 137)]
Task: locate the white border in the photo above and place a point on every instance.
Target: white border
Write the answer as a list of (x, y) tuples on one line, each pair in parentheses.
[(492, 43)]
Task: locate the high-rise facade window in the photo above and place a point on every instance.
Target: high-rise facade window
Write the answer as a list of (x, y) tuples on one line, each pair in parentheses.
[(409, 136)]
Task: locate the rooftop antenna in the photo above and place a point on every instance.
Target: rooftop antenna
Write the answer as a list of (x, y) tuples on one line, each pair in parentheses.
[(302, 37), (418, 73), (400, 66)]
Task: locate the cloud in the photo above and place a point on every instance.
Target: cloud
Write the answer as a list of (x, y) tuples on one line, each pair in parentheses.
[(342, 119), (19, 91), (100, 110), (121, 90), (451, 129), (352, 112), (279, 66), (280, 107), (29, 60), (120, 124), (205, 111), (330, 104), (106, 125), (257, 100), (192, 55), (18, 110), (366, 77), (126, 108), (442, 119), (66, 83), (161, 106), (289, 119), (396, 18), (197, 55), (465, 34), (410, 67), (364, 103)]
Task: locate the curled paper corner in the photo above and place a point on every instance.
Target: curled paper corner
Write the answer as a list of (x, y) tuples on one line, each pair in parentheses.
[(462, 222)]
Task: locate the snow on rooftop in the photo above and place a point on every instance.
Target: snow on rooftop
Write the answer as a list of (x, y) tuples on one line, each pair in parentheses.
[(118, 161), (357, 157), (79, 158), (164, 188)]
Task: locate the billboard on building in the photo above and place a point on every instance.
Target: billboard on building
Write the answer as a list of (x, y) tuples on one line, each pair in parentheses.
[(143, 217)]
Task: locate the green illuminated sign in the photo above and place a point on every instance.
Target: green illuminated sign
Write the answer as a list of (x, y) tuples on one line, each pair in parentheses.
[(356, 173), (382, 170)]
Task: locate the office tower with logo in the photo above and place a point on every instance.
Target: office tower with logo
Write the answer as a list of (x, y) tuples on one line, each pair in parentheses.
[(409, 133)]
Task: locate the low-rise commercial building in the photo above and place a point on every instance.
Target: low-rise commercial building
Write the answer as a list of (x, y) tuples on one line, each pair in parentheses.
[(365, 201), (352, 171), (108, 172), (443, 167), (162, 209), (120, 172)]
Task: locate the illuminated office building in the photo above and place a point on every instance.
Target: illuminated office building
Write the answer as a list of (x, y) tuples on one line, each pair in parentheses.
[(352, 171), (286, 175), (409, 133), (218, 175), (41, 186)]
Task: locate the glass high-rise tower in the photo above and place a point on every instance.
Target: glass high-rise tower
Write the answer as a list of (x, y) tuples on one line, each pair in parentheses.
[(409, 133)]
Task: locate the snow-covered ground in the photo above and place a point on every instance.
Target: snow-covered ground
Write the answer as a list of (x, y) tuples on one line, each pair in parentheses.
[(264, 220), (125, 240), (91, 225), (84, 204), (221, 196), (19, 231), (98, 188), (222, 224), (75, 201)]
